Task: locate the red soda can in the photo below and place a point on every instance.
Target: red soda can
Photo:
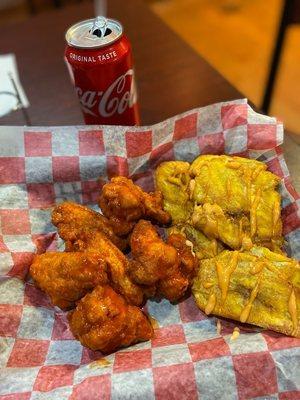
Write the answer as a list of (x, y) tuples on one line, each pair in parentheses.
[(99, 59)]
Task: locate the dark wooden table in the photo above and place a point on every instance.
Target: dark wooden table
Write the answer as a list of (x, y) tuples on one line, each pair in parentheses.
[(171, 76)]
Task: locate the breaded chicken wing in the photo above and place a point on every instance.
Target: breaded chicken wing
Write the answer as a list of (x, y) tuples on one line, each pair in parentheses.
[(173, 287), (167, 266), (71, 219), (66, 277), (186, 254), (124, 203), (104, 321), (258, 287), (155, 259), (117, 264)]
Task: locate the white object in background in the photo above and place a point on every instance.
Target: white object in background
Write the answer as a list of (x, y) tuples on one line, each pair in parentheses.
[(8, 96)]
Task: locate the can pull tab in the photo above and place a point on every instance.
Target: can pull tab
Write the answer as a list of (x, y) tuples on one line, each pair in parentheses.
[(100, 28)]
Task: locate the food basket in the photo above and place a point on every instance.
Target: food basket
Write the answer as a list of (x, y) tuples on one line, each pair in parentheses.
[(189, 357)]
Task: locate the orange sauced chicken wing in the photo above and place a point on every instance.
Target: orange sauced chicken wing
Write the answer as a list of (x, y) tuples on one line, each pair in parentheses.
[(117, 265), (169, 267), (104, 321), (66, 277), (153, 259), (175, 286), (71, 219), (124, 203), (185, 251)]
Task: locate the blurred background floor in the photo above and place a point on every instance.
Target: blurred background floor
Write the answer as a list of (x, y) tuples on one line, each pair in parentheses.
[(235, 36)]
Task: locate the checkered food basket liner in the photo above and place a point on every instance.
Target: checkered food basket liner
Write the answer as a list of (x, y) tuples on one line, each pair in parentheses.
[(188, 358)]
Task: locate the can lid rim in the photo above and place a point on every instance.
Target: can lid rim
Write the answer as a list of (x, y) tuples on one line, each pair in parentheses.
[(96, 44)]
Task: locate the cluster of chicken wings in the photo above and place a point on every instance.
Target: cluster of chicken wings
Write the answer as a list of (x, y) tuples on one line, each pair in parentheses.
[(103, 286)]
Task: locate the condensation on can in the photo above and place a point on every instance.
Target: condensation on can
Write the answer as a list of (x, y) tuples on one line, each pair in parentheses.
[(99, 60)]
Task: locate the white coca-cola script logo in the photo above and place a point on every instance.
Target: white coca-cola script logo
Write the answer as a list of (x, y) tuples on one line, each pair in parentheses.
[(113, 100)]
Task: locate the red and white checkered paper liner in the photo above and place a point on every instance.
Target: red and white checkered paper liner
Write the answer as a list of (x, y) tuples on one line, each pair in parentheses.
[(188, 358)]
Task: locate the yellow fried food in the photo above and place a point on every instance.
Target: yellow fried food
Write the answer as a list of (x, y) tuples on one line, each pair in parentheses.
[(258, 287), (215, 223), (227, 187), (229, 199), (66, 277), (202, 246), (71, 219), (104, 321), (172, 180), (227, 181)]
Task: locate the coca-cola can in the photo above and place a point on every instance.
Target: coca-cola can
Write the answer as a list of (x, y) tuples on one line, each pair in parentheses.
[(99, 59)]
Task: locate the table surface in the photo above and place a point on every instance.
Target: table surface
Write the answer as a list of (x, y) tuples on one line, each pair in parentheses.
[(171, 76)]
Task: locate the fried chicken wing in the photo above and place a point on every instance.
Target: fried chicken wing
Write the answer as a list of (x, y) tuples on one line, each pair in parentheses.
[(258, 287), (167, 266), (173, 287), (124, 203), (104, 321), (72, 218), (154, 258), (117, 264), (185, 251), (66, 277)]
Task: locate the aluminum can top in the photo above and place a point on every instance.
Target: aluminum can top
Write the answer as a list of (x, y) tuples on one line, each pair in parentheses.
[(93, 33)]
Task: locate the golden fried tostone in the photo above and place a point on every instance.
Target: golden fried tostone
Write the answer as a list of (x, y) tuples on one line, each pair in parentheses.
[(258, 287), (203, 247), (229, 199), (236, 201), (172, 179)]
